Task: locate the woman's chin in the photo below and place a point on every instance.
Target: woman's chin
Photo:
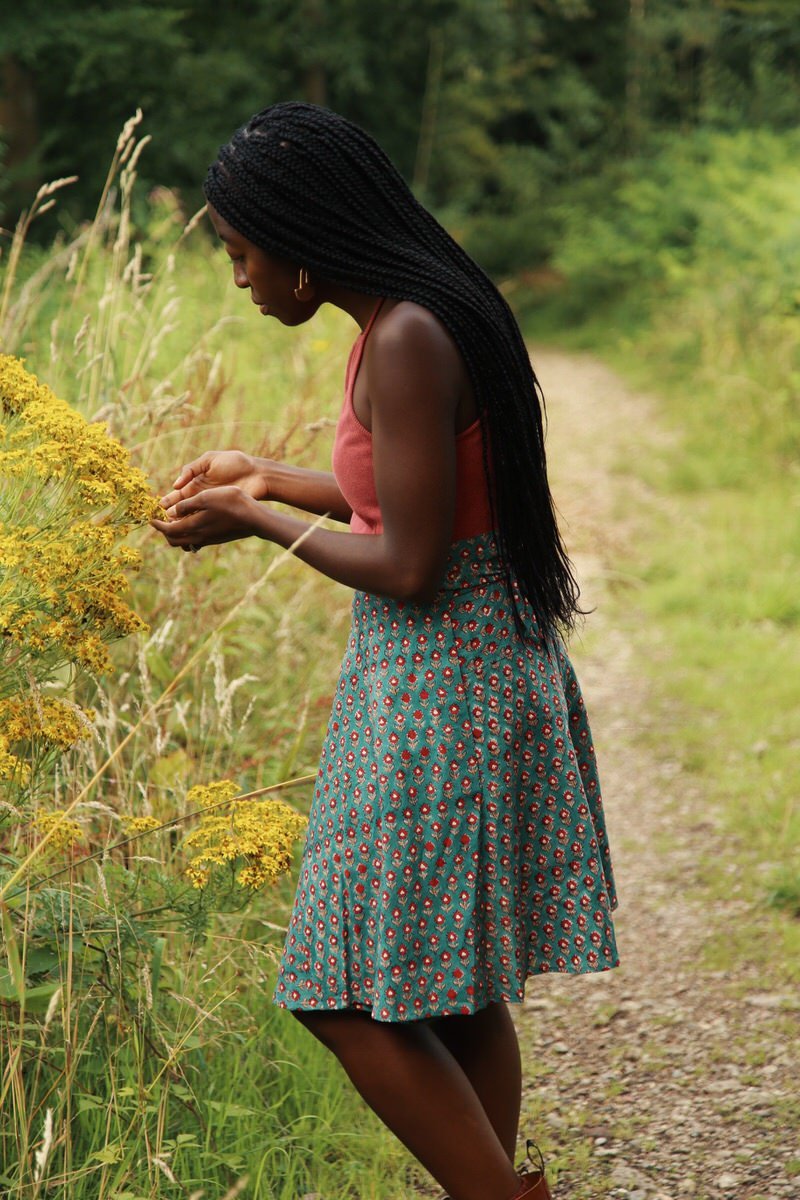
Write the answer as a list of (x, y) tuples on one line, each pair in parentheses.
[(295, 318)]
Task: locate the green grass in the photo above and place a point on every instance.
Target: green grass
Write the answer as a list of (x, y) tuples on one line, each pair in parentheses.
[(720, 574), (715, 557), (162, 1054)]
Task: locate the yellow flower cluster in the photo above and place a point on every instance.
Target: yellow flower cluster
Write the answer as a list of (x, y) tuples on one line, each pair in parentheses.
[(63, 574), (12, 767), (36, 718), (259, 834), (66, 592), (139, 824), (66, 831), (44, 435)]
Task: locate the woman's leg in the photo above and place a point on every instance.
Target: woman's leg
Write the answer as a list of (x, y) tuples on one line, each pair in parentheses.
[(485, 1046), (408, 1077)]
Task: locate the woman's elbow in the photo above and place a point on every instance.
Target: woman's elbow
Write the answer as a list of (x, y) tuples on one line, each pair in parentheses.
[(418, 585)]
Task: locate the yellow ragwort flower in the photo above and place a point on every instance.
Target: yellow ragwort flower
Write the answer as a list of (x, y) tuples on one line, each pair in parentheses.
[(53, 441), (257, 834), (71, 496), (17, 387), (66, 831), (11, 767), (139, 824), (35, 718)]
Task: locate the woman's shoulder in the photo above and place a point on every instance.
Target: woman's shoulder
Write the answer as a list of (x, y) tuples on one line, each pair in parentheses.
[(406, 323), (407, 337)]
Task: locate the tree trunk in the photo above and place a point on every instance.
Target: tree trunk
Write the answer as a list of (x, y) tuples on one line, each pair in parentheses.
[(316, 83), (19, 127), (430, 104), (634, 115)]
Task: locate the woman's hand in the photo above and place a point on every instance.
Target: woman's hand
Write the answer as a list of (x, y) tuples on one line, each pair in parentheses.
[(217, 469), (218, 514)]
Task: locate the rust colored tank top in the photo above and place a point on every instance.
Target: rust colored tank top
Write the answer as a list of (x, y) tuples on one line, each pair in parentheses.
[(352, 464)]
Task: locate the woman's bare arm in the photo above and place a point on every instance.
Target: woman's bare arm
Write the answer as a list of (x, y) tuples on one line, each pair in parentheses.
[(263, 479), (312, 491), (412, 379)]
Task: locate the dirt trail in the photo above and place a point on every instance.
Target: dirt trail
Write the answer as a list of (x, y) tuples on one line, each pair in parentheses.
[(660, 1080)]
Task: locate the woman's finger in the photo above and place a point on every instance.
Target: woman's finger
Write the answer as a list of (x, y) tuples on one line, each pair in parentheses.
[(189, 505), (181, 488), (175, 531), (190, 470), (180, 540), (184, 493)]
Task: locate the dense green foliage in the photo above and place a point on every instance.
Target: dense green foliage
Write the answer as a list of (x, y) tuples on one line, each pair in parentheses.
[(687, 281), (496, 109), (702, 240)]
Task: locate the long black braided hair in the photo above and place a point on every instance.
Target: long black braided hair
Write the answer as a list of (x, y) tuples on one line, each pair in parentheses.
[(303, 183)]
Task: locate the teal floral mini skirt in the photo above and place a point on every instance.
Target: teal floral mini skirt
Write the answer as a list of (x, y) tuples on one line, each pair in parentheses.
[(456, 842)]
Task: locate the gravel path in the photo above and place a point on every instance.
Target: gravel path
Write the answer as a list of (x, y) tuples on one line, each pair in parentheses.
[(662, 1079)]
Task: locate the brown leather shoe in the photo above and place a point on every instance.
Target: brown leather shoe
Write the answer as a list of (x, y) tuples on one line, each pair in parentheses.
[(533, 1185)]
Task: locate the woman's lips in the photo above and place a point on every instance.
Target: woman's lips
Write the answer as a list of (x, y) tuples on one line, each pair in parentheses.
[(264, 309)]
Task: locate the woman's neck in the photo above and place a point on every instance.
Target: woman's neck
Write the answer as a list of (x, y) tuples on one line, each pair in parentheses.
[(359, 305)]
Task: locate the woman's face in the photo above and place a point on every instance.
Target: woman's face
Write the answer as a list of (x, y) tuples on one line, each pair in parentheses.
[(271, 281)]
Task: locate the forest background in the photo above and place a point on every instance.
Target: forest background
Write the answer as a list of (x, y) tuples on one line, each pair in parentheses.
[(627, 170), (504, 116)]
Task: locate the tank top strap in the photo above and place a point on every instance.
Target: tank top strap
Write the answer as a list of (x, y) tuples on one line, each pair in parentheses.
[(357, 349)]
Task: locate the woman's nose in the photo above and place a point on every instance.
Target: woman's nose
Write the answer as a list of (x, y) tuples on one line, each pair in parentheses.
[(240, 276)]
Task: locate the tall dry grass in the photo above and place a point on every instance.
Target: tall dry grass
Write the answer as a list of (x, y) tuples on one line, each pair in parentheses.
[(140, 1055)]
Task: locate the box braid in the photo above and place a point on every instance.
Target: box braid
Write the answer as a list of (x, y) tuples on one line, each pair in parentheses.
[(303, 183)]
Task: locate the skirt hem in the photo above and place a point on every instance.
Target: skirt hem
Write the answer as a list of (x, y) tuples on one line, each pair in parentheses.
[(463, 1010)]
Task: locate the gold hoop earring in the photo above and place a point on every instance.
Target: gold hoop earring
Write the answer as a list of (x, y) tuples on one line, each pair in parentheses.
[(303, 283)]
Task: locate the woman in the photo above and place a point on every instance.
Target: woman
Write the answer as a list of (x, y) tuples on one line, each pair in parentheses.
[(455, 842)]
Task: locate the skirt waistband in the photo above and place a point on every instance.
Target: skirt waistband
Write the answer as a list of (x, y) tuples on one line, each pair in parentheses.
[(472, 562)]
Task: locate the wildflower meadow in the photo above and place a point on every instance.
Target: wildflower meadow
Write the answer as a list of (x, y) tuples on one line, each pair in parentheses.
[(161, 712), (159, 721)]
